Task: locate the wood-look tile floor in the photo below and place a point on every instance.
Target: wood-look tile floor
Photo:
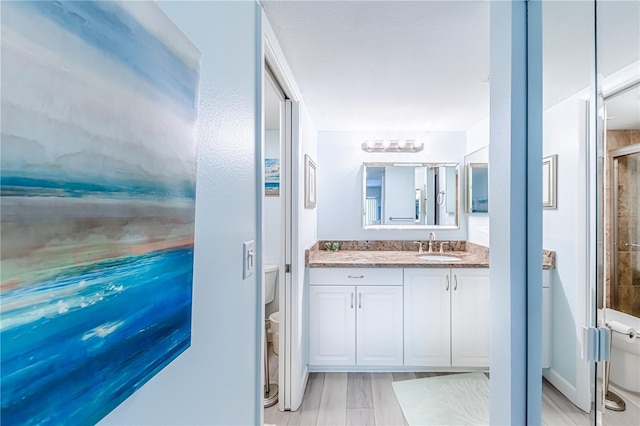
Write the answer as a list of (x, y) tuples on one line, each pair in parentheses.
[(368, 399)]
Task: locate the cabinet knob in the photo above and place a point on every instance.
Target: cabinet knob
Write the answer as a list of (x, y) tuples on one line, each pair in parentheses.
[(455, 282), (447, 289), (355, 276), (351, 300), (360, 300)]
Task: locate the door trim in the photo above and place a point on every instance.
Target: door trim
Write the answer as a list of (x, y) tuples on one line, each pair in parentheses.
[(294, 371)]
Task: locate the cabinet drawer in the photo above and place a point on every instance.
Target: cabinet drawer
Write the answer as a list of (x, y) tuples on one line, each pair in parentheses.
[(355, 276)]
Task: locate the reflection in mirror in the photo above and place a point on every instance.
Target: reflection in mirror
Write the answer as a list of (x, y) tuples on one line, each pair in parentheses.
[(622, 139), (417, 195), (618, 201), (477, 181), (477, 188)]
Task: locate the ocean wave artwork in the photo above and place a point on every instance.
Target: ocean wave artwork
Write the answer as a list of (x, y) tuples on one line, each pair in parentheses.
[(97, 200), (271, 176)]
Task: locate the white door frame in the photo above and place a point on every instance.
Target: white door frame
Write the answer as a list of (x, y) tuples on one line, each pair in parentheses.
[(293, 371)]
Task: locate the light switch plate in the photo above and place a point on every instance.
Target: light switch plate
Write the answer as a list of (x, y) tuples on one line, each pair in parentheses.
[(249, 258)]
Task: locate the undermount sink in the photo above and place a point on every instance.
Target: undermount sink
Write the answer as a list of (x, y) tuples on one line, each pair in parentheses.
[(440, 258)]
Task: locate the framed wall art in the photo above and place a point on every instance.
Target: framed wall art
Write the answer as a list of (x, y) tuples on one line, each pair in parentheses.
[(309, 183), (549, 182)]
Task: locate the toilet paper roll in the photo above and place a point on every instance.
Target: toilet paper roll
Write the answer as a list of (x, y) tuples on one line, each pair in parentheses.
[(628, 333)]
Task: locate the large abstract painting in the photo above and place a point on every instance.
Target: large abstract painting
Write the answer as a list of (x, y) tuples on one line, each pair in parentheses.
[(99, 114)]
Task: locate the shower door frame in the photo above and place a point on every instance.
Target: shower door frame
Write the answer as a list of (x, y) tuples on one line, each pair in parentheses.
[(613, 200)]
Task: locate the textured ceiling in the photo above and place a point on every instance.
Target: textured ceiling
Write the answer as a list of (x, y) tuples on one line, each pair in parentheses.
[(387, 65), (419, 65)]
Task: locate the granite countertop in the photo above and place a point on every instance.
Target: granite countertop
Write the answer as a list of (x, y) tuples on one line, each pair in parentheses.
[(402, 254), (393, 259)]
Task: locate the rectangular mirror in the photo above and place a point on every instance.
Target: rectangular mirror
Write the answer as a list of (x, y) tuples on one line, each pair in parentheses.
[(410, 195), (477, 188), (477, 181)]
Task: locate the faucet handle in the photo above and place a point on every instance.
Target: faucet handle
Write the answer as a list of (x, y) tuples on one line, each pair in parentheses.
[(442, 244), (419, 246)]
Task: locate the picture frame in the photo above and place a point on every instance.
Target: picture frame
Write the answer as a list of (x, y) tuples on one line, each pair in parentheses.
[(549, 182), (309, 183)]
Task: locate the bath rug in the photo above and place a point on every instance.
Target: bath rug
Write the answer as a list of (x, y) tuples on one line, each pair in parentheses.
[(455, 399)]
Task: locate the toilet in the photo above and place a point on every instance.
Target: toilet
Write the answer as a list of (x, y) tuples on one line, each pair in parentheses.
[(270, 276)]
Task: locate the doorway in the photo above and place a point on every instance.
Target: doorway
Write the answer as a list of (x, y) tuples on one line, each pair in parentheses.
[(279, 230), (272, 233)]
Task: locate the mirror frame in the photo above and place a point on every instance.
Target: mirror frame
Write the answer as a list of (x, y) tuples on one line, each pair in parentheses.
[(409, 164)]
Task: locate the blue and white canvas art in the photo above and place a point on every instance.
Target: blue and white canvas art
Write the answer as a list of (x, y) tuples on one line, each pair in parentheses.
[(98, 143), (272, 176)]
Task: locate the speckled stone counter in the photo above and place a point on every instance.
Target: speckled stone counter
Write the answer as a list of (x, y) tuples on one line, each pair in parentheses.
[(402, 254)]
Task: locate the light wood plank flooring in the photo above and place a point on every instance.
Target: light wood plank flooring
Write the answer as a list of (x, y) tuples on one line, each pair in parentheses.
[(368, 399), (628, 417)]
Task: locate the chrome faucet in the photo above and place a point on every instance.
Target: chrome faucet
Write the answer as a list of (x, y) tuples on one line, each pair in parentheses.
[(442, 244), (432, 237), (420, 251)]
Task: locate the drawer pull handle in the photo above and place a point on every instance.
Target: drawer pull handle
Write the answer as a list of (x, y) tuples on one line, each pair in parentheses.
[(351, 300), (455, 282), (355, 276), (447, 289), (360, 300)]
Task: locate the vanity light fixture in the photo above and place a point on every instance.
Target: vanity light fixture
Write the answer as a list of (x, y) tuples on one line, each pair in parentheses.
[(393, 145)]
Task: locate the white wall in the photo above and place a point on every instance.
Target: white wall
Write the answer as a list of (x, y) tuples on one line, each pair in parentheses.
[(564, 134), (478, 223), (272, 210), (216, 380), (340, 159)]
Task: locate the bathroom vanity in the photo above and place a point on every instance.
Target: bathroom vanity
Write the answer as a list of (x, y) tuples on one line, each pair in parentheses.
[(394, 309)]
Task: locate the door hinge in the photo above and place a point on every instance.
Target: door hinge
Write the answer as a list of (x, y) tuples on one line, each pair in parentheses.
[(596, 344), (287, 268)]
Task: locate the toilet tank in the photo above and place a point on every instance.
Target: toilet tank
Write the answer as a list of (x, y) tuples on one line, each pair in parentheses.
[(270, 277)]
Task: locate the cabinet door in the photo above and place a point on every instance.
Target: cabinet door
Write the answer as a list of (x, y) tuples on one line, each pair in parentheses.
[(332, 325), (427, 317), (470, 318), (379, 325)]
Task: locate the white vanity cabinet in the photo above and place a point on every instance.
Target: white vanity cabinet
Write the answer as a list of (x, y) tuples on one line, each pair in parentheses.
[(546, 318), (355, 317), (427, 317), (446, 317), (332, 325), (470, 317), (379, 325)]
